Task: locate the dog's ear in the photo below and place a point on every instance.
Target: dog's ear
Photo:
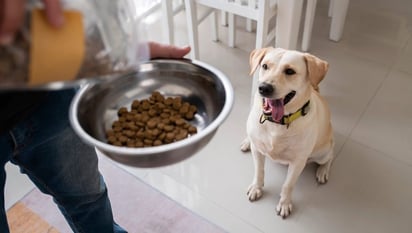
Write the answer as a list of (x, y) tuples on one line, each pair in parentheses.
[(317, 69), (255, 58)]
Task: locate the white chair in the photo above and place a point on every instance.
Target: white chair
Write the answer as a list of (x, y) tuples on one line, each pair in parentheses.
[(169, 10), (261, 11), (337, 11)]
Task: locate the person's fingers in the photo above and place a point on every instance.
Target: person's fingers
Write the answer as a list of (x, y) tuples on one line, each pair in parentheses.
[(167, 51), (11, 18), (54, 12)]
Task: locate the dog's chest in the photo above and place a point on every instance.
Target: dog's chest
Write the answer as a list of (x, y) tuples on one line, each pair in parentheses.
[(280, 144)]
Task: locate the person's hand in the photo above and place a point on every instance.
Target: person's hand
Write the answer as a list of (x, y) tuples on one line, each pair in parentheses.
[(12, 17), (167, 51)]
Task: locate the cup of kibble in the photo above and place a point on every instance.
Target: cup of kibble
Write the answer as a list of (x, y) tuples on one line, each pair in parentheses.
[(160, 115)]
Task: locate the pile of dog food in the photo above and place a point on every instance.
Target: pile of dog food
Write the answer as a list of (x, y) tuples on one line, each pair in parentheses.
[(155, 121)]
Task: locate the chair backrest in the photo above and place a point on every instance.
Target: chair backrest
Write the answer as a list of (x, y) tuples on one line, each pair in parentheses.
[(245, 8), (261, 11)]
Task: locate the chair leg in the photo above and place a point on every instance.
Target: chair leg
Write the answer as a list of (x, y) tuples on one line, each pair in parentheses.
[(309, 18), (191, 17), (232, 30), (168, 25), (249, 25), (215, 35), (223, 18), (330, 10), (339, 11), (262, 27)]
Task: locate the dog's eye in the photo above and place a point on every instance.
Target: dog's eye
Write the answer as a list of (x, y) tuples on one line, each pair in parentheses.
[(264, 66), (289, 71)]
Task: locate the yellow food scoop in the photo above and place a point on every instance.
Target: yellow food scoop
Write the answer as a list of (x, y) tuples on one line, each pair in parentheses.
[(56, 54)]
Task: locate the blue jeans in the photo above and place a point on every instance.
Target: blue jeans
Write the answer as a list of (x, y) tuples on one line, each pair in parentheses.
[(46, 149)]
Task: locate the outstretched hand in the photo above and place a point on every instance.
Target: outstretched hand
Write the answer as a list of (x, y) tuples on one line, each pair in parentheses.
[(167, 51)]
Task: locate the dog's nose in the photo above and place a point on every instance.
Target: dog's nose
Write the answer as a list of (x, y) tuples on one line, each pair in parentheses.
[(265, 89)]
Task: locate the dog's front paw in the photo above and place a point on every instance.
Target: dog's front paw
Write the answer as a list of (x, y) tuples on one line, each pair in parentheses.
[(284, 208), (254, 192), (245, 146)]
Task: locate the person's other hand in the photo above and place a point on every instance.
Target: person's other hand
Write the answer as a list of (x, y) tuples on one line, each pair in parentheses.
[(12, 17), (167, 51)]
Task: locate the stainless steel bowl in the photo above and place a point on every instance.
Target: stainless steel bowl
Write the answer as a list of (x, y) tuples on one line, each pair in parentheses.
[(95, 107)]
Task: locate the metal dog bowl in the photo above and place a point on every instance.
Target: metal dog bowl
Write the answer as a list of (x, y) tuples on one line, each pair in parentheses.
[(95, 107)]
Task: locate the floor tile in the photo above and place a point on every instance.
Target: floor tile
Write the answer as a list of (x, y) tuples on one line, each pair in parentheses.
[(387, 123), (368, 192)]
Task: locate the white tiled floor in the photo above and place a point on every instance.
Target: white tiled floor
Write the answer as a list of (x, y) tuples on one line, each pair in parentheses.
[(369, 90)]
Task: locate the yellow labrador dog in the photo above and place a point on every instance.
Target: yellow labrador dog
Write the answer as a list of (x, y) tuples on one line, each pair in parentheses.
[(289, 121)]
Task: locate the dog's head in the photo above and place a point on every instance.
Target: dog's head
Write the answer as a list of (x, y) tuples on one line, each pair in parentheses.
[(286, 77)]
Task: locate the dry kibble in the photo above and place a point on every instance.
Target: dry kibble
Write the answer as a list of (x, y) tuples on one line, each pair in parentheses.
[(135, 104), (129, 117), (111, 139), (110, 133), (192, 130), (151, 124), (168, 101), (155, 121), (145, 118), (117, 143), (166, 121), (177, 103), (129, 133), (164, 115), (157, 143), (168, 128), (131, 143), (116, 124), (148, 142), (145, 105), (162, 136), (139, 144), (179, 122), (189, 115), (170, 136), (117, 129), (121, 111), (152, 112), (123, 139), (193, 108), (140, 124)]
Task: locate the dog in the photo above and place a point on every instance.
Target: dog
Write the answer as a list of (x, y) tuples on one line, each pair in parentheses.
[(289, 121)]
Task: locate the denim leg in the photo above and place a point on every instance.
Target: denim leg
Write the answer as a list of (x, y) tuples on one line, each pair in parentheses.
[(49, 152), (5, 153)]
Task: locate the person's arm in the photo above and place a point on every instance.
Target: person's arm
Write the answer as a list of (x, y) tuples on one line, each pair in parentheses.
[(12, 16)]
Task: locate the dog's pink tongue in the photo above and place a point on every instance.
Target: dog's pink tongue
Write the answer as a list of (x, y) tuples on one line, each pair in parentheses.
[(277, 109)]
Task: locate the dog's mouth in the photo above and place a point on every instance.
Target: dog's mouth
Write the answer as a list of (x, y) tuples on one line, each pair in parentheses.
[(275, 107)]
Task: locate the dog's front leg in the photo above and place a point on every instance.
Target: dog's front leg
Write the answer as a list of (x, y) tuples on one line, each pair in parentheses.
[(284, 207), (255, 189)]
